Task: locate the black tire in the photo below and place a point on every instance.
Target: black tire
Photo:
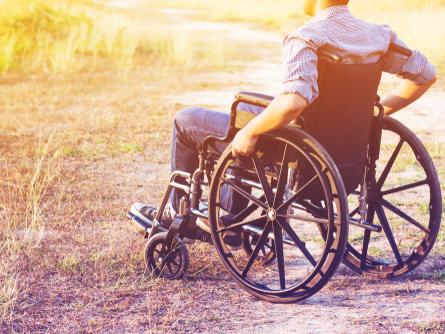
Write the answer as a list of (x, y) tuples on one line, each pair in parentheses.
[(410, 226), (311, 260), (173, 265)]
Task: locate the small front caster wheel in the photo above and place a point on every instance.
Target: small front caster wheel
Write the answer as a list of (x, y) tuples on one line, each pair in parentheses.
[(169, 265)]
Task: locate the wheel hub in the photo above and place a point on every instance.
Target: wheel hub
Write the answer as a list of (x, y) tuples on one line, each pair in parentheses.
[(271, 214)]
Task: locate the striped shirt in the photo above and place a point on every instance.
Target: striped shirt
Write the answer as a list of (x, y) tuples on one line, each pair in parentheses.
[(335, 30)]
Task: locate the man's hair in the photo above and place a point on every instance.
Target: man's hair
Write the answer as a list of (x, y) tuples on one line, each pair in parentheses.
[(341, 2)]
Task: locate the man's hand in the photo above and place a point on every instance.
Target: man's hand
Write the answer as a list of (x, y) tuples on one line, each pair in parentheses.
[(405, 94), (281, 111), (244, 143)]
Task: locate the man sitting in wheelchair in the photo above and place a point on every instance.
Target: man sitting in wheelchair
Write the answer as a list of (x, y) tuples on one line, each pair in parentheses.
[(359, 52)]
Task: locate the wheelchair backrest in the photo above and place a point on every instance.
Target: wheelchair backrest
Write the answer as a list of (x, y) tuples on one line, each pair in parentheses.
[(341, 117)]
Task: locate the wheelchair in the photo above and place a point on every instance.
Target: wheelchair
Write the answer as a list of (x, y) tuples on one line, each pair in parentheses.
[(295, 191)]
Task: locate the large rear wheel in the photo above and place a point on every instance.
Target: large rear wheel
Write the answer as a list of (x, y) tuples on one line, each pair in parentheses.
[(288, 171), (406, 202)]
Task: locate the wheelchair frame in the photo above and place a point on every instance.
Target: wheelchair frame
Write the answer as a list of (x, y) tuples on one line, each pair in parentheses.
[(185, 227)]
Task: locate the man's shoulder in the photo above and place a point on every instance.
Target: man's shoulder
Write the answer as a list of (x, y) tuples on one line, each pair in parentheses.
[(320, 30), (311, 31)]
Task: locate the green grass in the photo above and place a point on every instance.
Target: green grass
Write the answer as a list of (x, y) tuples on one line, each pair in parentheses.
[(69, 263), (378, 252), (356, 236), (126, 148)]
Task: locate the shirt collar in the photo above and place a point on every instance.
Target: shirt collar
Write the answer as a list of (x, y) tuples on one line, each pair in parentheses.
[(331, 11)]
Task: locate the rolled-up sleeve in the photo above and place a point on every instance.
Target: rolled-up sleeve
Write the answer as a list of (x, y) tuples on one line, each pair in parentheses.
[(300, 68), (416, 68)]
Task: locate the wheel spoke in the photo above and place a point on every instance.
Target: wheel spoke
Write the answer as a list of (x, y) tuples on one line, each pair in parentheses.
[(169, 267), (251, 221), (403, 215), (247, 211), (262, 177), (389, 165), (261, 241), (367, 235), (244, 193), (162, 267), (313, 209), (295, 196), (300, 244), (387, 229), (278, 235), (366, 239), (406, 187), (282, 177), (354, 212)]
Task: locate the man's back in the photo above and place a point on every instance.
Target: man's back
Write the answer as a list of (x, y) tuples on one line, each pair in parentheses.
[(336, 30)]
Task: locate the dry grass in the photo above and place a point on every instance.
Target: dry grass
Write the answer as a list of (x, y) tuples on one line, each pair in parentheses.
[(62, 206), (67, 36), (415, 21), (75, 151), (47, 35), (30, 186), (8, 297), (88, 265)]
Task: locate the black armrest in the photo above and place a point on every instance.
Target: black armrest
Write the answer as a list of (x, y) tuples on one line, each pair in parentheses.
[(255, 99), (239, 118)]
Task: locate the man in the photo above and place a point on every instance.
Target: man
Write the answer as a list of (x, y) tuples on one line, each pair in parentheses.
[(332, 28)]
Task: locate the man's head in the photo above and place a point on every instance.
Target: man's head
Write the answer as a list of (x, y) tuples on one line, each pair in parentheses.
[(312, 6)]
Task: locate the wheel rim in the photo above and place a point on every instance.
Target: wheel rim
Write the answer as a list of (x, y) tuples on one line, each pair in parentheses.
[(310, 260), (406, 203)]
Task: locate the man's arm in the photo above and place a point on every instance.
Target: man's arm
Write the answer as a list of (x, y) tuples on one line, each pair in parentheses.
[(284, 109), (405, 94), (281, 111), (299, 88), (418, 74)]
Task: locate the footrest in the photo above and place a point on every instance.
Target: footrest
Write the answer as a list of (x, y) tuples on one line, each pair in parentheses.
[(139, 222)]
